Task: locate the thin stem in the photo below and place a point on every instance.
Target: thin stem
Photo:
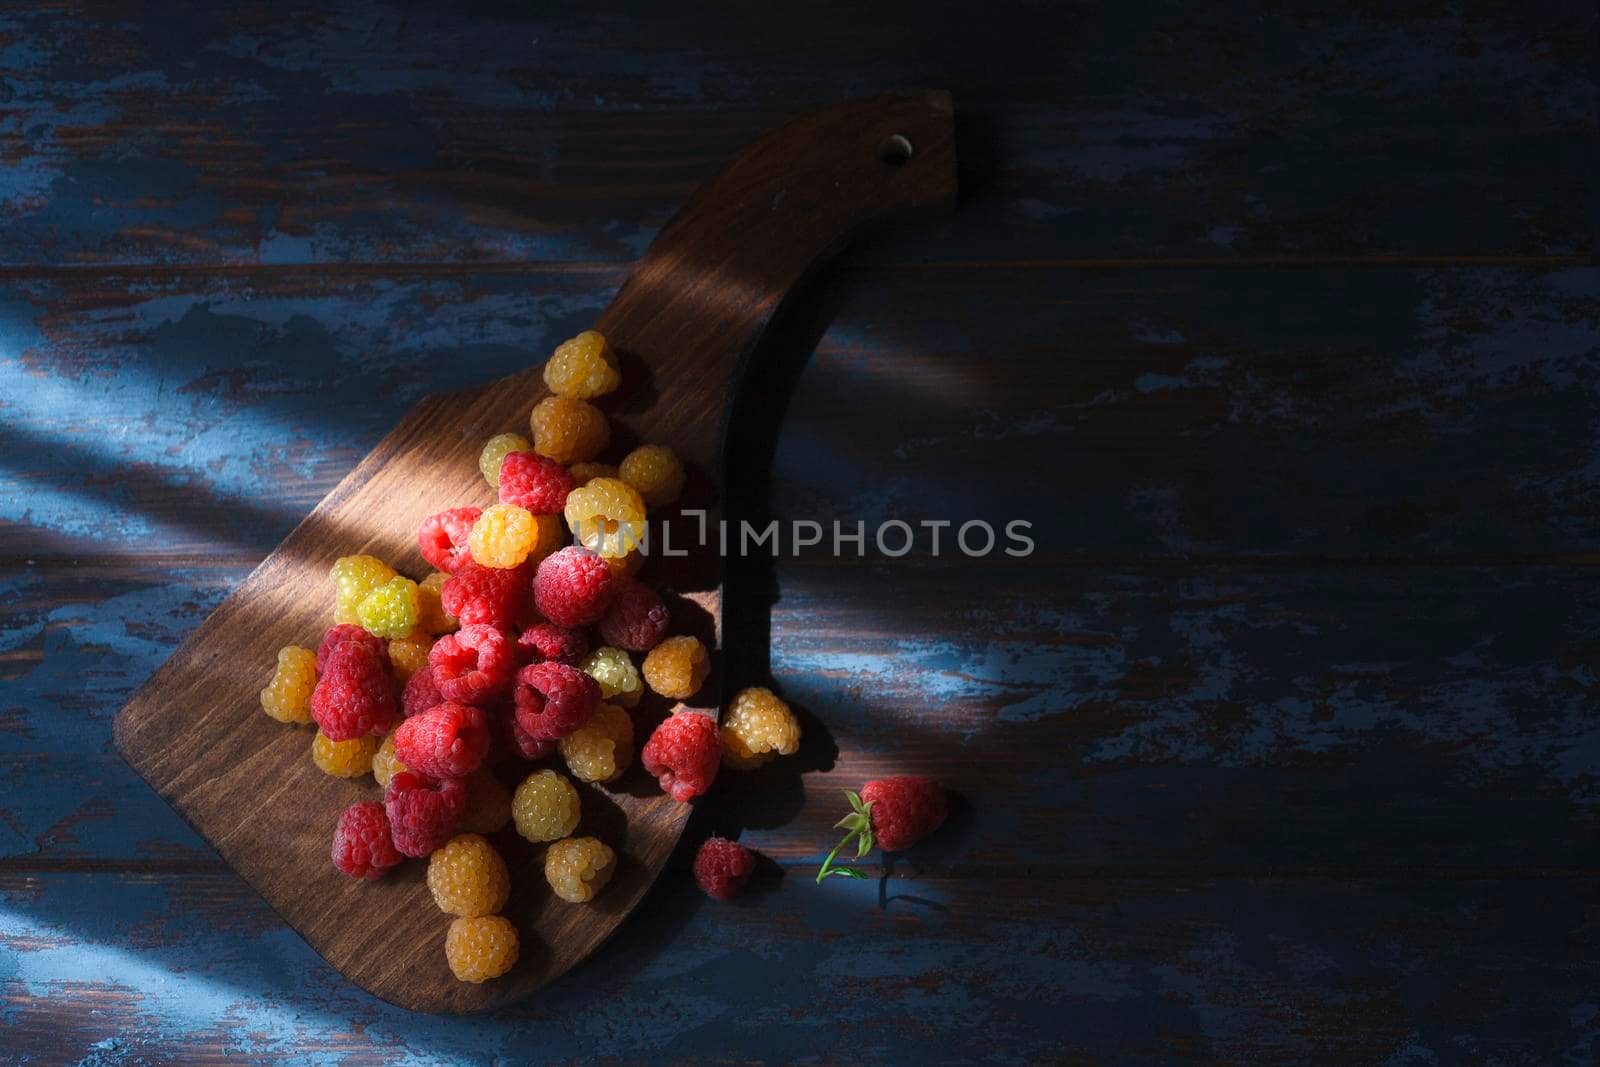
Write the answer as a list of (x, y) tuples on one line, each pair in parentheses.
[(827, 864)]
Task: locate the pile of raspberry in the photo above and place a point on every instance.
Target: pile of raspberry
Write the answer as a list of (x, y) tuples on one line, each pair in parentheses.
[(527, 648)]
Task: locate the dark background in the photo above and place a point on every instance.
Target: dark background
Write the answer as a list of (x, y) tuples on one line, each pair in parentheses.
[(1279, 321)]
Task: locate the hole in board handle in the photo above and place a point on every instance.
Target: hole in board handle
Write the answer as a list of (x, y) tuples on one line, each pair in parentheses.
[(895, 150)]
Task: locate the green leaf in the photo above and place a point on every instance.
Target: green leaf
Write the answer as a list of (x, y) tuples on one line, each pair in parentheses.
[(859, 826)]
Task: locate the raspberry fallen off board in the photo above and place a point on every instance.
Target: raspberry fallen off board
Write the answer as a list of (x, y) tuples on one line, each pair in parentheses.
[(687, 318)]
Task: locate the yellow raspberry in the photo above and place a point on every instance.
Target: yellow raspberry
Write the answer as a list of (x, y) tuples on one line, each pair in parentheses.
[(757, 727), (545, 807), (488, 804), (385, 764), (468, 878), (551, 537), (345, 759), (584, 473), (568, 430), (602, 750), (495, 450), (480, 949), (503, 536), (606, 516), (625, 566), (579, 867), (390, 610), (409, 654), (677, 667), (655, 471), (431, 615), (355, 577), (584, 367), (614, 670), (287, 697)]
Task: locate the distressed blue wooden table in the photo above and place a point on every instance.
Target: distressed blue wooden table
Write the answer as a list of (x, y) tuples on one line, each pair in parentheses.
[(1282, 326)]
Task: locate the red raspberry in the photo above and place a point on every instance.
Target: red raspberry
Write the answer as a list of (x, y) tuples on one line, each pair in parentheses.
[(443, 538), (722, 868), (536, 483), (489, 596), (423, 813), (345, 631), (420, 694), (471, 665), (528, 615), (508, 737), (361, 844), (448, 741), (355, 696), (905, 809), (684, 753), (554, 699), (636, 620), (549, 641), (495, 713), (573, 587), (531, 747)]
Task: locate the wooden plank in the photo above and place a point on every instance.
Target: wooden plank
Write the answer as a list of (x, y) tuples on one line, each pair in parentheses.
[(1106, 131), (1318, 413), (1156, 970), (1200, 716)]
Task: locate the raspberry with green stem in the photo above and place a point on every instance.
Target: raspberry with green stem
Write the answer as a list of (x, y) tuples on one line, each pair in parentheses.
[(859, 825)]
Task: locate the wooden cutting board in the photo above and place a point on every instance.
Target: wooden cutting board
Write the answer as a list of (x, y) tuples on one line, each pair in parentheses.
[(685, 321)]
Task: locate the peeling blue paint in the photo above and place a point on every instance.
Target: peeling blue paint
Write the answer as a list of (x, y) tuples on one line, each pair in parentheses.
[(1151, 383), (237, 429), (361, 120), (1267, 939), (194, 980)]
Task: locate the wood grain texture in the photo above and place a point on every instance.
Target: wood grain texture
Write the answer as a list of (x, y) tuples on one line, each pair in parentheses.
[(1060, 970), (384, 132), (1195, 413), (688, 316), (1162, 689)]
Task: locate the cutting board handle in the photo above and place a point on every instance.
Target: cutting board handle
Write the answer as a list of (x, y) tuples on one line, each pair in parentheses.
[(717, 272)]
